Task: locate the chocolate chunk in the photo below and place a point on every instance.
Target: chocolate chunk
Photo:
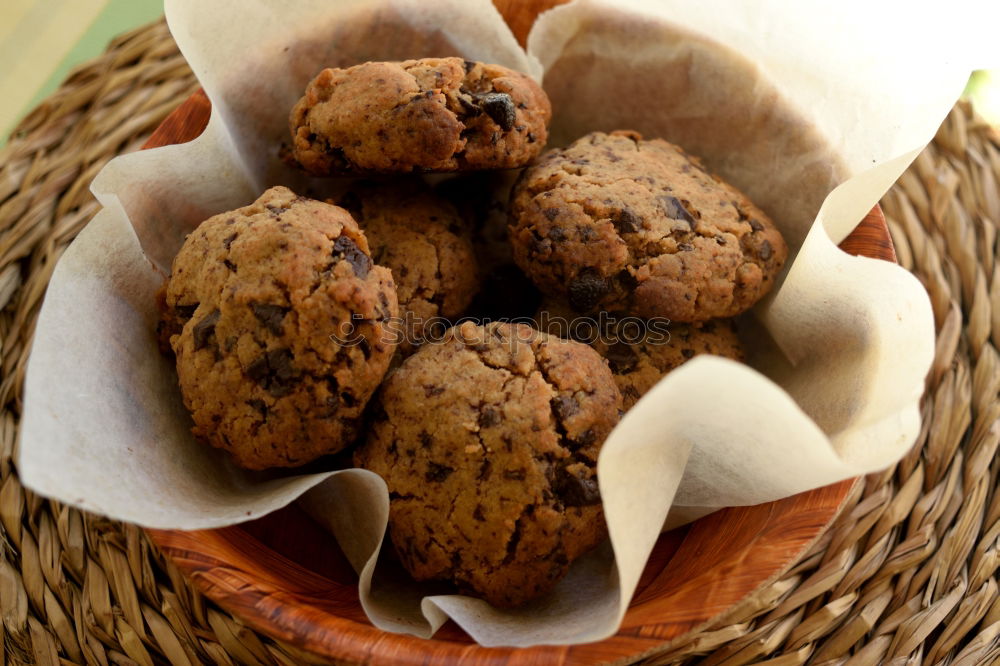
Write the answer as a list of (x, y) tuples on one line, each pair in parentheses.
[(585, 439), (499, 107), (564, 406), (185, 312), (270, 316), (540, 245), (586, 290), (531, 137), (551, 213), (489, 417), (274, 372), (574, 490), (485, 470), (280, 362), (258, 405), (426, 440), (557, 234), (469, 65), (477, 514), (204, 331), (345, 248), (765, 250), (687, 353), (258, 370), (515, 474), (685, 247), (515, 539), (621, 358), (626, 222), (431, 391), (674, 209), (229, 241), (756, 225), (331, 403), (437, 473)]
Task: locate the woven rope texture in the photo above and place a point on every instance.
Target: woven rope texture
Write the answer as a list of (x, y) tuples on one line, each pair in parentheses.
[(907, 575)]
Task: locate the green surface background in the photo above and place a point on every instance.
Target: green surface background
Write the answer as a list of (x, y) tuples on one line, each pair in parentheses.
[(118, 16)]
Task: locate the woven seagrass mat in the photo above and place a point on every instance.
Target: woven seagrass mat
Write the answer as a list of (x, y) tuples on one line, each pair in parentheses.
[(907, 575)]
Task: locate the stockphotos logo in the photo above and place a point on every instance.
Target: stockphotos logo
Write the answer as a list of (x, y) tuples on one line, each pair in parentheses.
[(604, 328)]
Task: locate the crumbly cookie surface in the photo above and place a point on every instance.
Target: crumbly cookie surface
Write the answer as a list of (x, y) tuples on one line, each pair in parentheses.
[(488, 443), (641, 352), (620, 223), (253, 309), (433, 114), (422, 239)]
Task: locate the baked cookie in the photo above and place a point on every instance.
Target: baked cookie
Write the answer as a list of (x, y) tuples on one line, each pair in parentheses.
[(277, 317), (427, 246), (640, 351), (488, 443), (434, 114), (618, 223)]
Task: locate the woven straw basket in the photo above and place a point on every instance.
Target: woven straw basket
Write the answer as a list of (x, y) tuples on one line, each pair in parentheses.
[(907, 574)]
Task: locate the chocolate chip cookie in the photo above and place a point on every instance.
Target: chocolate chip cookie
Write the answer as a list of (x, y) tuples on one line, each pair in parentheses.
[(620, 223), (434, 114), (277, 316), (640, 352), (420, 237), (488, 443)]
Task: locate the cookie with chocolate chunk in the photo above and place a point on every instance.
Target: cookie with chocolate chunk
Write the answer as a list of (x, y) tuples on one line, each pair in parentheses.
[(616, 222), (433, 114), (640, 352), (277, 317), (488, 442), (422, 239)]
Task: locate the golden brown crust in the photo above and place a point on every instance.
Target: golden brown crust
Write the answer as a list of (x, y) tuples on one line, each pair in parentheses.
[(253, 299), (422, 239), (488, 443), (433, 114), (619, 223)]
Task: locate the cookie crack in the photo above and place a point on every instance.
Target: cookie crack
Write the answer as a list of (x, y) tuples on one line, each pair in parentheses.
[(438, 276), (554, 405), (480, 349), (514, 539)]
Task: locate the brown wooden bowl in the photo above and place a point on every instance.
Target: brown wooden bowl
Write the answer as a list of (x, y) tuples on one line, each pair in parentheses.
[(286, 577)]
